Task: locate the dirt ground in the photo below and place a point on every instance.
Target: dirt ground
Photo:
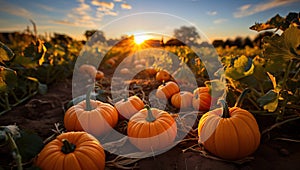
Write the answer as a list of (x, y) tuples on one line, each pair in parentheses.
[(41, 112)]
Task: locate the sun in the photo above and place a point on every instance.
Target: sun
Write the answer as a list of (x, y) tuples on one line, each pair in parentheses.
[(139, 39)]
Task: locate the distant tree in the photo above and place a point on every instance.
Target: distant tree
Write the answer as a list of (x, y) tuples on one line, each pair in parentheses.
[(218, 43), (187, 35), (94, 36), (238, 42), (89, 33), (174, 42), (247, 42), (228, 43)]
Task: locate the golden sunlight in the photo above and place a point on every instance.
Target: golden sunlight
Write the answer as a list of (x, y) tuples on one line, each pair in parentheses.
[(139, 39)]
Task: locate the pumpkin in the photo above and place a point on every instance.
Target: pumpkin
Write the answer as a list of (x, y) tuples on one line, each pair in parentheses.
[(124, 71), (202, 99), (72, 150), (142, 61), (129, 106), (162, 75), (182, 100), (166, 90), (230, 133), (151, 71), (151, 129), (92, 116), (99, 75), (139, 66), (111, 62), (88, 70)]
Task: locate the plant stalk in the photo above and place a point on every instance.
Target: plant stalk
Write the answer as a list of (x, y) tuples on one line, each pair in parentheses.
[(67, 147), (150, 117), (226, 113), (88, 99), (240, 99)]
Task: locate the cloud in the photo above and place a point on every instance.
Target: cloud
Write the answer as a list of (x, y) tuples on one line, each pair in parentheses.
[(126, 6), (250, 9), (45, 7), (219, 21), (107, 5), (212, 13), (63, 22), (81, 16), (15, 10), (118, 0)]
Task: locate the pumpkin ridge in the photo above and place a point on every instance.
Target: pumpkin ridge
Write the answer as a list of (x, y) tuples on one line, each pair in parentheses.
[(85, 160), (88, 151), (59, 163), (70, 159), (236, 136), (236, 130), (253, 132), (46, 161)]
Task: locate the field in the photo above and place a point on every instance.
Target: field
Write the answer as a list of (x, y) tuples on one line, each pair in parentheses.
[(41, 80)]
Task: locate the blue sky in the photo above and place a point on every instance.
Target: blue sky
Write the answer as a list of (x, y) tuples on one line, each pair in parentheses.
[(215, 19)]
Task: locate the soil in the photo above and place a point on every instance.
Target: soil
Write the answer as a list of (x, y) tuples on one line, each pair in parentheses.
[(41, 112)]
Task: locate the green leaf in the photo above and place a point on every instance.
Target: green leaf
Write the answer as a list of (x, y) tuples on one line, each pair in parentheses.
[(36, 51), (8, 79), (6, 53), (29, 144), (283, 48), (241, 67), (269, 101), (278, 22)]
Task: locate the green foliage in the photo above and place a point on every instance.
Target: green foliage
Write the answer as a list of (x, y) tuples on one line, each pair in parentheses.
[(239, 67), (32, 66), (29, 144), (8, 79), (278, 22), (6, 53), (278, 50)]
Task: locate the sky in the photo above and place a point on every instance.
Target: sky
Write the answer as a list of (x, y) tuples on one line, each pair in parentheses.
[(214, 19)]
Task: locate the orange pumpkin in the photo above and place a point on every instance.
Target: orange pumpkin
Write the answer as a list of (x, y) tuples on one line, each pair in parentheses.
[(99, 75), (92, 116), (151, 71), (182, 100), (139, 66), (124, 71), (88, 69), (202, 99), (129, 106), (166, 90), (72, 150), (230, 133), (162, 75), (151, 129), (111, 62)]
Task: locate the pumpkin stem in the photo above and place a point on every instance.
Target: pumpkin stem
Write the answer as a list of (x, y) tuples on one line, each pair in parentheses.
[(150, 117), (67, 147), (164, 83), (88, 99), (226, 113), (240, 99)]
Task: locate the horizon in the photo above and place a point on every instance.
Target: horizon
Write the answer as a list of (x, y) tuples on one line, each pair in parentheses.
[(226, 20)]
